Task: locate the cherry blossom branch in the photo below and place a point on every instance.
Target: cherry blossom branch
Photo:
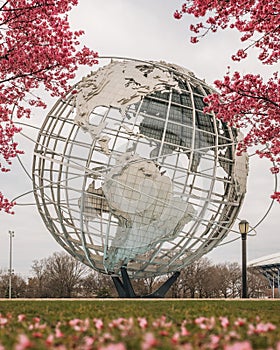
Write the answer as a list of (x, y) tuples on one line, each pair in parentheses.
[(246, 101), (36, 47)]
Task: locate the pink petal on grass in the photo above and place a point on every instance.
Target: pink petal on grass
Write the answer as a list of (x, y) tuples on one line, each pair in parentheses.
[(23, 342), (118, 346), (205, 323), (240, 322), (74, 322), (224, 322), (3, 321), (200, 320), (21, 317), (98, 323), (37, 335), (88, 343), (50, 339), (265, 327), (149, 341), (215, 340), (79, 325), (186, 346), (116, 323), (184, 331), (242, 345), (261, 328), (58, 333), (176, 337), (143, 323)]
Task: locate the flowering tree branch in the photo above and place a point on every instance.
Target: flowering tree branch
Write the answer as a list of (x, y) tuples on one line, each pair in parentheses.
[(37, 47), (247, 101)]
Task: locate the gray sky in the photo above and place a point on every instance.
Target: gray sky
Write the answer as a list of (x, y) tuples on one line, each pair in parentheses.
[(142, 29)]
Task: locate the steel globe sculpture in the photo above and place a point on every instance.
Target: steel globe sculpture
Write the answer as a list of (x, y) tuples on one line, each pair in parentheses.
[(129, 172)]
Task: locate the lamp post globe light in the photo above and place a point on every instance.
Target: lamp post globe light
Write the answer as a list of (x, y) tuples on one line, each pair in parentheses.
[(244, 228)]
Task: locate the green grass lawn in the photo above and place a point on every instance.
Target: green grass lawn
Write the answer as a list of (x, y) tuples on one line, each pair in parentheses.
[(176, 311)]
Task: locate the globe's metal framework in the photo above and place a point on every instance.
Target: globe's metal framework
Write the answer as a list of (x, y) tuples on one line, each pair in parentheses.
[(129, 172)]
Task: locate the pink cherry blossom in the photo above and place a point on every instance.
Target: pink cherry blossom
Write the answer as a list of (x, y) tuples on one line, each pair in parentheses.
[(117, 346), (37, 335), (60, 347), (175, 338), (164, 333), (250, 101), (149, 341), (74, 322), (98, 323), (224, 322), (88, 343), (3, 321), (185, 346), (79, 325), (254, 20), (240, 322), (184, 331), (21, 318), (205, 323), (204, 333), (50, 339), (23, 342), (116, 323), (161, 322), (261, 328), (37, 48), (200, 320), (58, 332), (214, 341), (242, 345), (143, 323)]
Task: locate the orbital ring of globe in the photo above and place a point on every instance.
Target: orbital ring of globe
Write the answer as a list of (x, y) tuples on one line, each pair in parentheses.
[(130, 172)]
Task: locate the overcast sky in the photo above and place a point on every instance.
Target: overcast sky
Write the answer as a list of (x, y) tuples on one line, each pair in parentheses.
[(142, 29)]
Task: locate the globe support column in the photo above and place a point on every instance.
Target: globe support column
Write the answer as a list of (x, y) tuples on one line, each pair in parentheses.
[(125, 289)]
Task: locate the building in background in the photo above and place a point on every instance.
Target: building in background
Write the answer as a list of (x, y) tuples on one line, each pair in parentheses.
[(269, 266)]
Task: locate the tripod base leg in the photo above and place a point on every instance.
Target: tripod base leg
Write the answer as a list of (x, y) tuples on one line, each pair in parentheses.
[(125, 288)]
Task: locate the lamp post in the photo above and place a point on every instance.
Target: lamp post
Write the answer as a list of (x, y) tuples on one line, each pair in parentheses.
[(11, 233), (244, 228)]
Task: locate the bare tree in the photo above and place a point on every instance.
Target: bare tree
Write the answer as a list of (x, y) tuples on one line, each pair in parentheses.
[(257, 284), (205, 280), (234, 283), (192, 280), (97, 285), (61, 275), (58, 275), (37, 284), (145, 286), (18, 284)]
